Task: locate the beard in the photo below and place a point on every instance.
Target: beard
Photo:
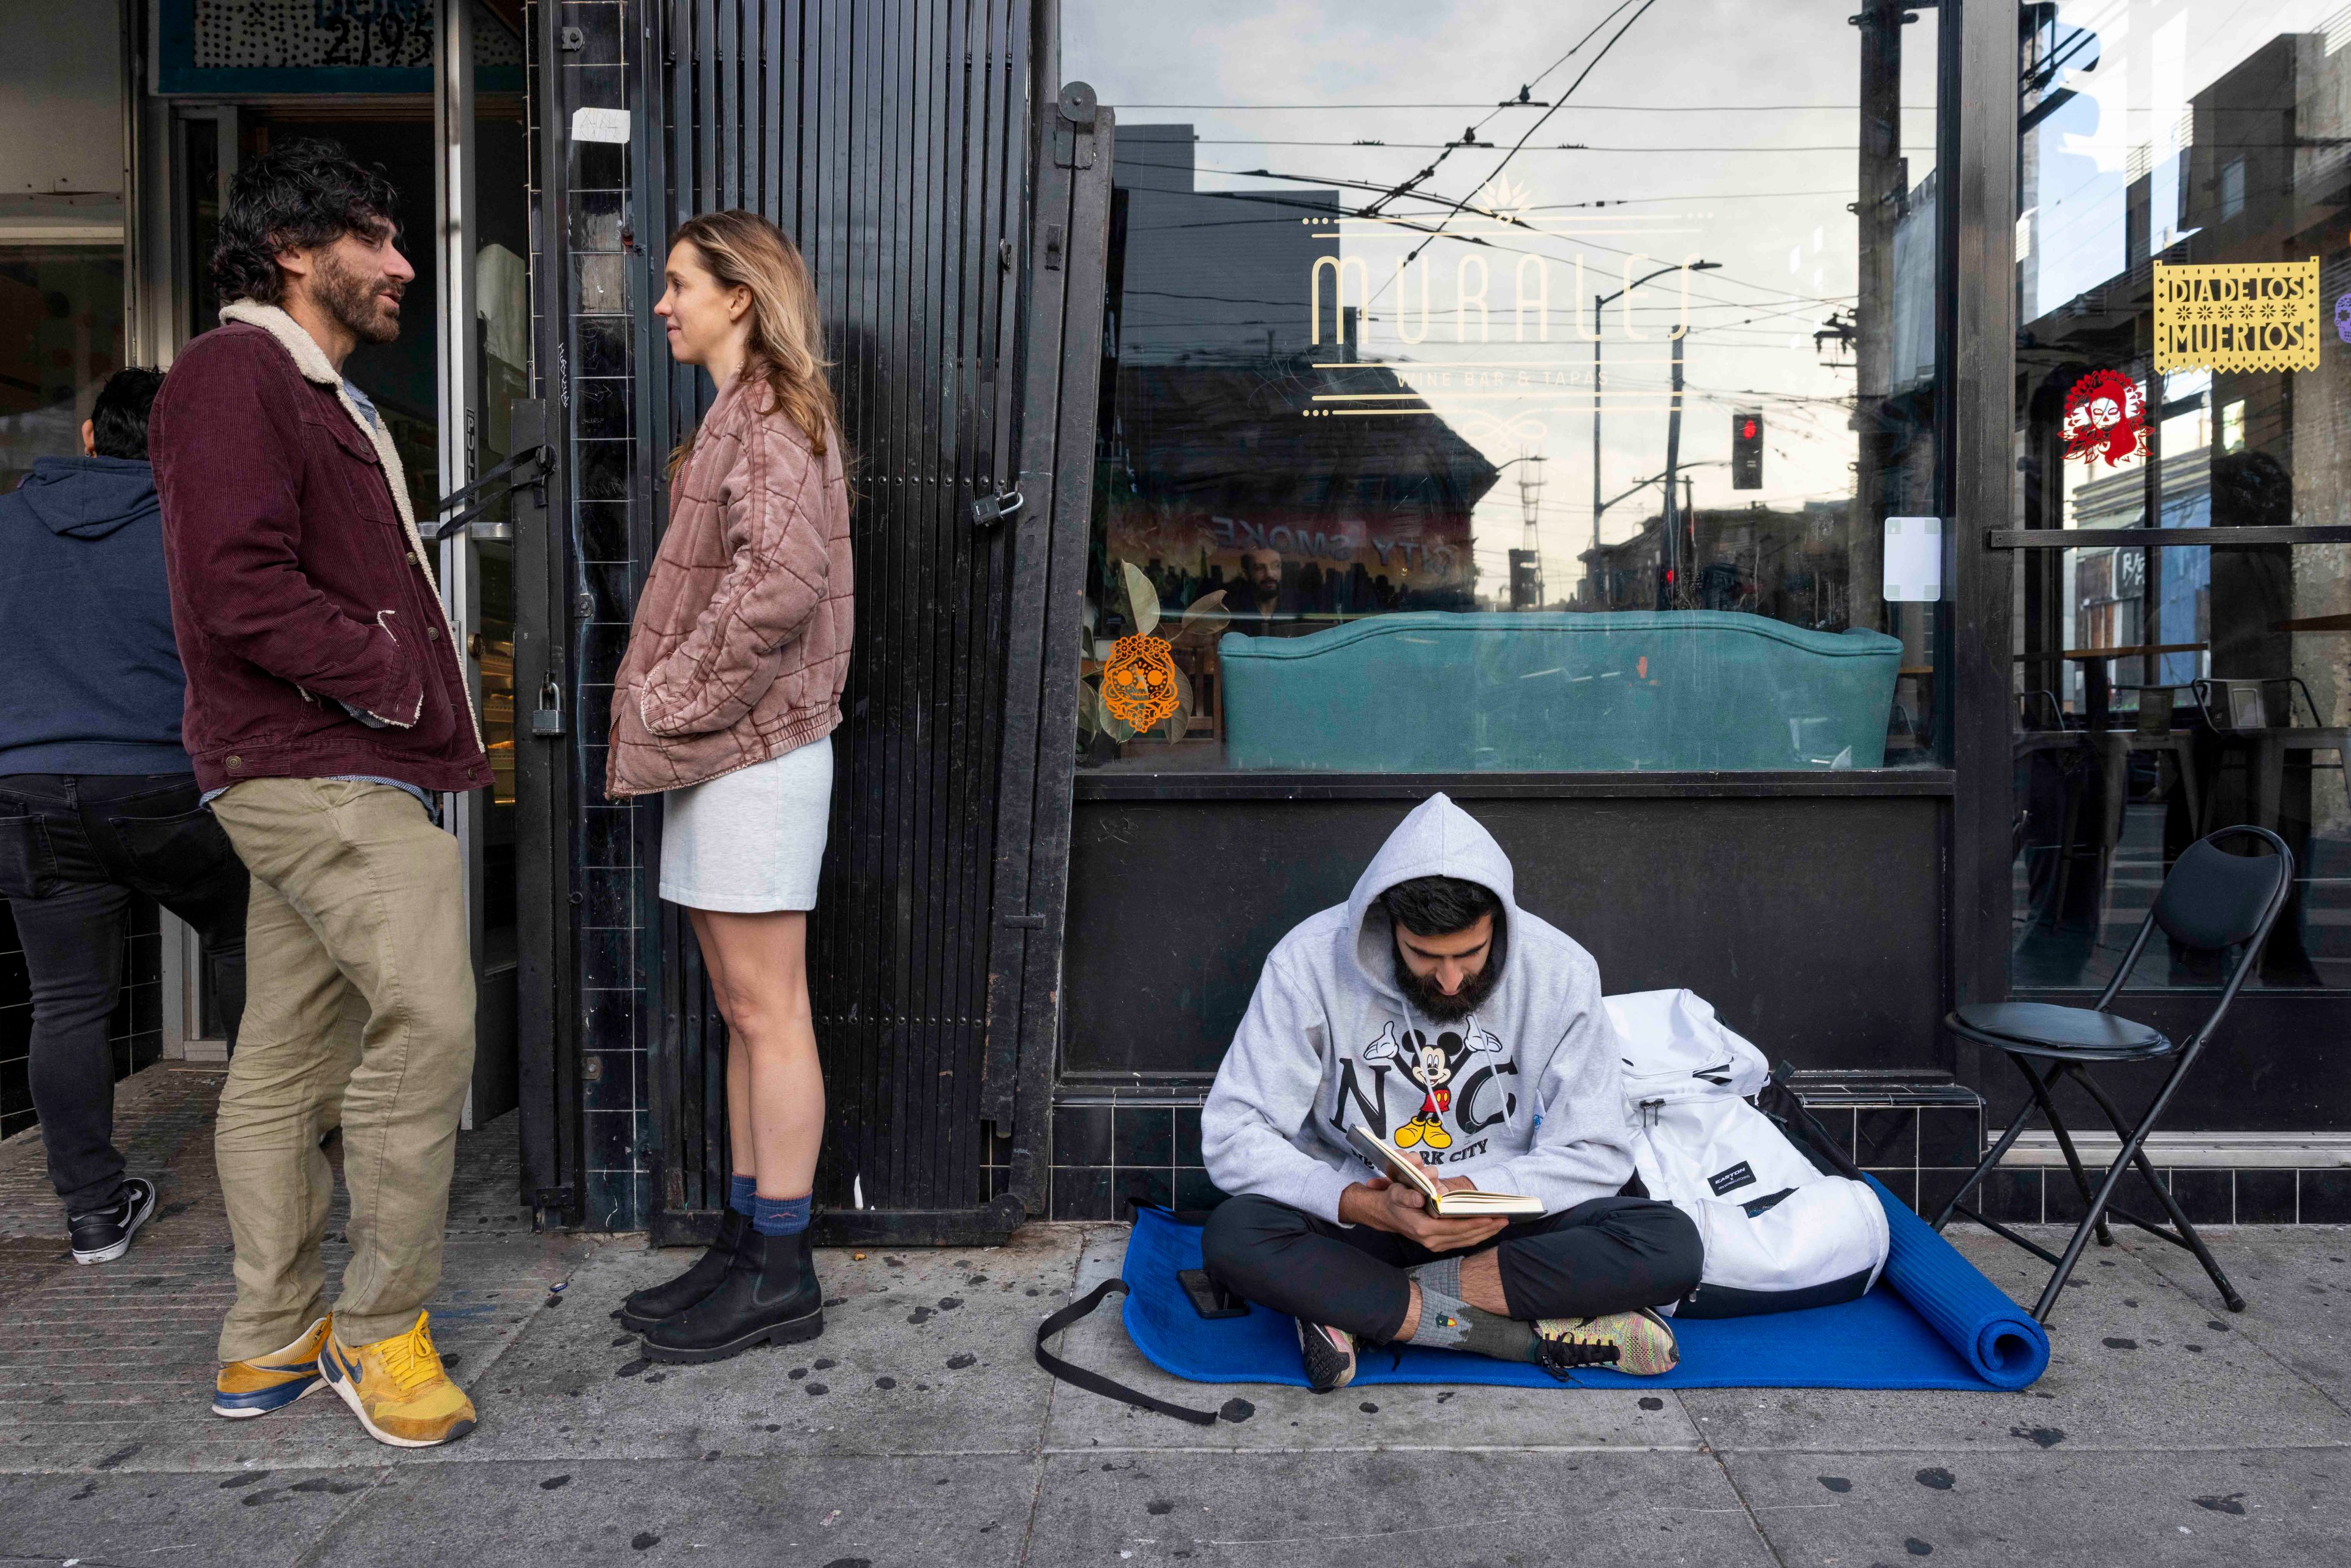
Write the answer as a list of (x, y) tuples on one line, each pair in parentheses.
[(351, 298), (1423, 993)]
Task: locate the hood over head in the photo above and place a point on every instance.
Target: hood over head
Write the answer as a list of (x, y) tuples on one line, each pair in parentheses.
[(1437, 839), (90, 498)]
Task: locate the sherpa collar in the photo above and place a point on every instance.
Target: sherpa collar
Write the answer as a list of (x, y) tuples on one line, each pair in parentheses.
[(312, 360)]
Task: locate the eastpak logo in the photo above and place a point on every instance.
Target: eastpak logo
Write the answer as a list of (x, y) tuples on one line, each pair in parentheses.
[(1730, 1180)]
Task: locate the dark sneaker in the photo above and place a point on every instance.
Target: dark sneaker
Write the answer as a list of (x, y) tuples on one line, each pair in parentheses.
[(1640, 1344), (1330, 1356), (104, 1234)]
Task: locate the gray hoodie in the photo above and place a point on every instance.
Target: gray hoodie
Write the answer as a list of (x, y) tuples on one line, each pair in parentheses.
[(1522, 1096)]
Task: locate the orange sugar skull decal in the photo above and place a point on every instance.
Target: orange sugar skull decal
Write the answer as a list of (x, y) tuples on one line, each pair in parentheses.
[(1138, 685)]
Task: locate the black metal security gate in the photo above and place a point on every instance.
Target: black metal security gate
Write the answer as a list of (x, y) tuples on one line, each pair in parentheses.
[(894, 143)]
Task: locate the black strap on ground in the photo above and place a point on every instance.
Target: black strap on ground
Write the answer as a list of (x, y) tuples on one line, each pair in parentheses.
[(1094, 1382)]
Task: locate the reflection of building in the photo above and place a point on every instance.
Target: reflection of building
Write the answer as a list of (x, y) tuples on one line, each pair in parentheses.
[(2118, 614), (1365, 514), (1790, 566), (1211, 275), (1218, 347)]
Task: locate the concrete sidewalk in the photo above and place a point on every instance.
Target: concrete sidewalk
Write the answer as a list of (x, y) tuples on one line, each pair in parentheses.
[(918, 1430)]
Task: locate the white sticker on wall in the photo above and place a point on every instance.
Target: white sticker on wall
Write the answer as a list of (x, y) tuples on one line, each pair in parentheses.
[(600, 125), (1914, 559)]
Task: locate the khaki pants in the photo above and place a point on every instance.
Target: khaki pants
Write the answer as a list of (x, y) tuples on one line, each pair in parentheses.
[(356, 896)]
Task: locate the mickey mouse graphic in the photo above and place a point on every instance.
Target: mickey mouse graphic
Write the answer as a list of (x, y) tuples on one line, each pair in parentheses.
[(1431, 1064)]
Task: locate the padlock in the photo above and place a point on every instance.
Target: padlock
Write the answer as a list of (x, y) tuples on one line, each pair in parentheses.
[(546, 719)]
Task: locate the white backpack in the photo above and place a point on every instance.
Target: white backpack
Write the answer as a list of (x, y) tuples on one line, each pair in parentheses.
[(1780, 1234)]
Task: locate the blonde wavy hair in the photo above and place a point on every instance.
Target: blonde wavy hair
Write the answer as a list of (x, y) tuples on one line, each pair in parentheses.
[(787, 347)]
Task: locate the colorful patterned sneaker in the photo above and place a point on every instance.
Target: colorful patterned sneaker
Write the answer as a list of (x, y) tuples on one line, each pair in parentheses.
[(397, 1388), (1639, 1343), (1329, 1355), (265, 1383)]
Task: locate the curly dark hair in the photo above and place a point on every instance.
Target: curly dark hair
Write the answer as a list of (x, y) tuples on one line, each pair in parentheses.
[(301, 193), (117, 420)]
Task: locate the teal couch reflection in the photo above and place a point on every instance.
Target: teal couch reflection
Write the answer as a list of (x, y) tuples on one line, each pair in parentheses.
[(1552, 690)]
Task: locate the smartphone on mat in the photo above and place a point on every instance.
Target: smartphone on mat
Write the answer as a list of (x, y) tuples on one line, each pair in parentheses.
[(1209, 1298)]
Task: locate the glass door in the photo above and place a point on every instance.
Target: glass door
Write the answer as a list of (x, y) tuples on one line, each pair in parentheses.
[(484, 327), (2183, 375)]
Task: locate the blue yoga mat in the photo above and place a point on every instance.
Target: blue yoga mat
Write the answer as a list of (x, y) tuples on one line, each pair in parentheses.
[(1933, 1321)]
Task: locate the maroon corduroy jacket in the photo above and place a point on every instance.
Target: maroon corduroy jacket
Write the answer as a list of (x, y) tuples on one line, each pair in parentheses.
[(299, 582)]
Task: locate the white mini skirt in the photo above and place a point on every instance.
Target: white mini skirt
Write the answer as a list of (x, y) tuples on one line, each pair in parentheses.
[(750, 840)]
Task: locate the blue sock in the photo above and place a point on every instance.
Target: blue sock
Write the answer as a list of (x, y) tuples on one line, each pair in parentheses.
[(780, 1216)]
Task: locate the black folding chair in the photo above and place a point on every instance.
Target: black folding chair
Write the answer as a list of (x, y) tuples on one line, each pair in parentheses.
[(2212, 899)]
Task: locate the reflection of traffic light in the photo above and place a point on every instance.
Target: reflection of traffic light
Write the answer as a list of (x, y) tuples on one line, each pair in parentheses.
[(1747, 451)]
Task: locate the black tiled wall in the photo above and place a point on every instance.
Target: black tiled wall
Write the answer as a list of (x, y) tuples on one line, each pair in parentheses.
[(615, 918), (1111, 1152), (2038, 1195)]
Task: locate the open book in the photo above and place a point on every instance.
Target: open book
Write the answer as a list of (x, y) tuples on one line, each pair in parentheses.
[(1461, 1204)]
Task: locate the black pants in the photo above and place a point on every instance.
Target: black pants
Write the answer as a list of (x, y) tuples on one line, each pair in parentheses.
[(1607, 1255), (73, 849)]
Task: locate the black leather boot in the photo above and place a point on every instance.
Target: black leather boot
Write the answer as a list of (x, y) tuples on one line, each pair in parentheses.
[(647, 1307), (770, 1296)]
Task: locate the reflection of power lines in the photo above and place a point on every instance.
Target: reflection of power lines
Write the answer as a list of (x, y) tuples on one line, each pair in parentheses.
[(1525, 92), (1581, 107), (1496, 171), (1847, 148), (1335, 182)]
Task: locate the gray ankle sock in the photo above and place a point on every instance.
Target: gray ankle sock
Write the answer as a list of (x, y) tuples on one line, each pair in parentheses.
[(1448, 1322)]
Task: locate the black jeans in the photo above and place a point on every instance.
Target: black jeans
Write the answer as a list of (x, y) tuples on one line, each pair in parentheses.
[(73, 849), (1606, 1255)]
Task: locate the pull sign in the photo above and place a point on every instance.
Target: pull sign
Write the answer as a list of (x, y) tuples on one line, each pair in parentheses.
[(546, 719), (1914, 559)]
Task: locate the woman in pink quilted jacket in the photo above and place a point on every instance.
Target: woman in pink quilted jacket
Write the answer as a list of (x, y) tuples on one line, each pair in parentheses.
[(725, 703)]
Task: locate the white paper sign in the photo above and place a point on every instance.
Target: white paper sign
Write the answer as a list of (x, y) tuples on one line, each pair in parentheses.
[(1914, 559), (600, 125)]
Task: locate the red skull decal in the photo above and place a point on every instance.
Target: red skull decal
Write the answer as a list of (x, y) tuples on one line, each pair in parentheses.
[(2105, 415)]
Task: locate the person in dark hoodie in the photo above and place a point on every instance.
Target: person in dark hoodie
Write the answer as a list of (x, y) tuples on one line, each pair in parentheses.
[(1432, 1010), (97, 798)]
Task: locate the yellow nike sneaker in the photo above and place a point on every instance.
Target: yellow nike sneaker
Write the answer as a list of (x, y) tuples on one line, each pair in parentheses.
[(1639, 1343), (397, 1388), (265, 1383)]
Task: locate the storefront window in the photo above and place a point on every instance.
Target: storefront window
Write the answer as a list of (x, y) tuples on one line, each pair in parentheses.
[(60, 338), (1516, 387), (2184, 362), (61, 211)]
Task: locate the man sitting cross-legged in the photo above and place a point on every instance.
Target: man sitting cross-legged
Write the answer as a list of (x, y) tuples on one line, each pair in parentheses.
[(1436, 1012)]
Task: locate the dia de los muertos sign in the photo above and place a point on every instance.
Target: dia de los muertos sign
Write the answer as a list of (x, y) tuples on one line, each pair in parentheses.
[(2237, 316)]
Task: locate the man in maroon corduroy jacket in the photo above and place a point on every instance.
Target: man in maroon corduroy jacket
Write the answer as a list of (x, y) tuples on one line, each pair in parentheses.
[(327, 708)]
